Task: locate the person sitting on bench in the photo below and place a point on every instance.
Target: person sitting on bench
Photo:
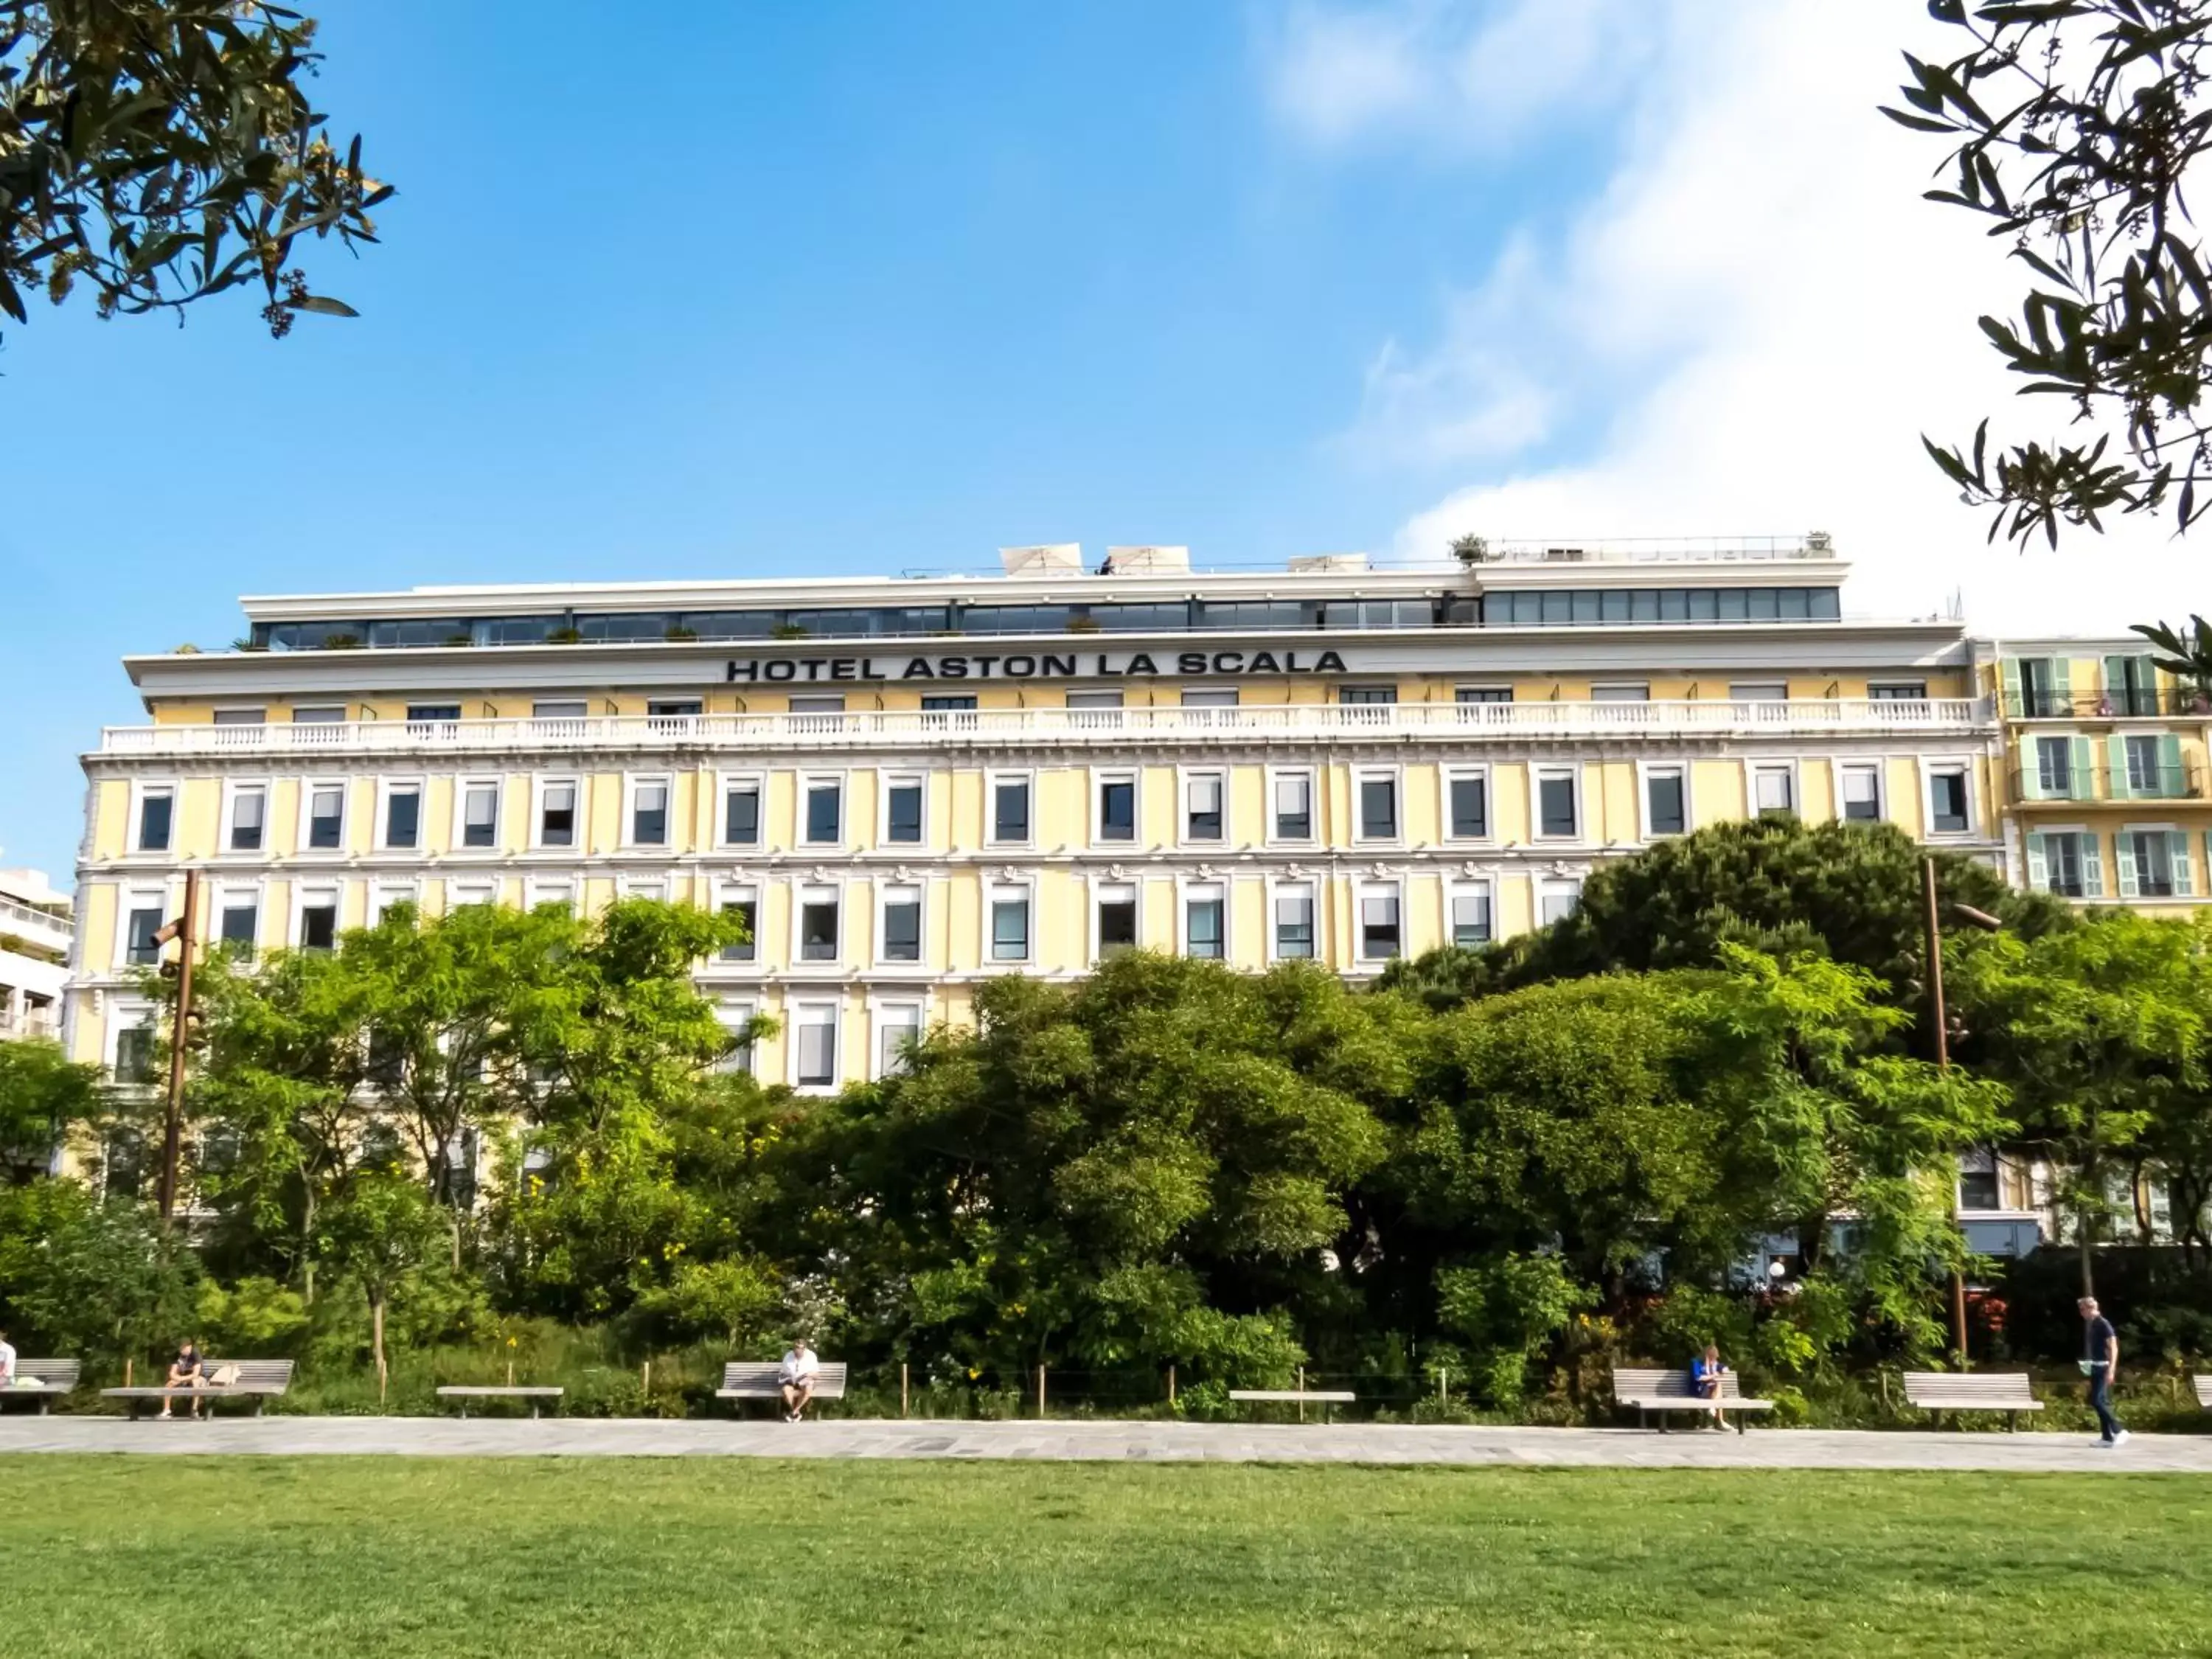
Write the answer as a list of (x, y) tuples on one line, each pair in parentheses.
[(189, 1370), (795, 1378), (1705, 1373)]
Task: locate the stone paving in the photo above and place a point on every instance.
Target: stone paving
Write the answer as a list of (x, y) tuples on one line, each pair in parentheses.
[(1111, 1442)]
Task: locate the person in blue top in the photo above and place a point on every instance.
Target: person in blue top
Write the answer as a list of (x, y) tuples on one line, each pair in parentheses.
[(2100, 1360), (1705, 1373)]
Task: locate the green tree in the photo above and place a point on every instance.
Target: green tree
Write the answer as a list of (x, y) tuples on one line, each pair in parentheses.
[(384, 1235), (162, 151), (2075, 126), (42, 1093), (89, 1278)]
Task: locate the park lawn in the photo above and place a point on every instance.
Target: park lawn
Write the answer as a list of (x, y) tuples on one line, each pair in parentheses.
[(245, 1557)]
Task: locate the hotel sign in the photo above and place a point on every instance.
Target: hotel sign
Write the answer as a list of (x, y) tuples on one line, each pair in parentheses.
[(1038, 665)]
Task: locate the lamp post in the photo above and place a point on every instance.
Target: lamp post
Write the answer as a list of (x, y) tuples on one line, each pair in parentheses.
[(184, 930), (1988, 923)]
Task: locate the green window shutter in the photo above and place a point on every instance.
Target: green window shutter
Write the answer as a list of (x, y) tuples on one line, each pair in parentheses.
[(2012, 702), (2116, 767), (2081, 783), (2031, 770), (2123, 850), (2116, 684), (2176, 843), (2169, 766), (2039, 867), (2062, 683), (2093, 865)]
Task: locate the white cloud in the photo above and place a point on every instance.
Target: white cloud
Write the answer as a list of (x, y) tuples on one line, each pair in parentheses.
[(1754, 320)]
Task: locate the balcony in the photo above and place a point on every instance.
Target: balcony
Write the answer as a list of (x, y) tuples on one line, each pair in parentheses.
[(2032, 785), (2117, 703), (35, 927), (33, 1024), (1279, 723)]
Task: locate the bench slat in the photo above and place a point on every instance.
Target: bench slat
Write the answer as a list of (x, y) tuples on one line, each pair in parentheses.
[(1971, 1391), (258, 1380), (755, 1379), (487, 1393), (1320, 1396)]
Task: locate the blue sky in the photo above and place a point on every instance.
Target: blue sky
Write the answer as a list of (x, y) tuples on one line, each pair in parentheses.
[(756, 289)]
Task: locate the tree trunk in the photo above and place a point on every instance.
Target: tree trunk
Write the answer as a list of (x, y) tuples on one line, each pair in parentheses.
[(2088, 1265), (376, 1342)]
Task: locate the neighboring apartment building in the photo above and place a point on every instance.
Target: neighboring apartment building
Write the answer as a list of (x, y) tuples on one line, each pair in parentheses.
[(35, 935), (911, 785)]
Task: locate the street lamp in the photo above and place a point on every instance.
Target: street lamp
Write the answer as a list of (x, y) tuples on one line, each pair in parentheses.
[(1989, 924)]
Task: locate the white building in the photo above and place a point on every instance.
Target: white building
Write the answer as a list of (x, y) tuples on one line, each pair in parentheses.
[(36, 930)]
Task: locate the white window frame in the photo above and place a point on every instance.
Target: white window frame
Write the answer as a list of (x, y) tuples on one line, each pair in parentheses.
[(1572, 771), (543, 888), (1097, 778), (140, 790), (797, 1010), (311, 896), (2187, 870), (886, 1014), (2095, 851), (801, 893), (233, 789), (463, 782), (1192, 891), (887, 779), (1185, 777), (1310, 891), (1841, 765), (651, 885), (1551, 887), (539, 786), (1645, 771), (1448, 775), (1642, 688), (1754, 769), (1396, 776), (1929, 766), (1312, 776), (148, 896), (725, 784), (884, 891), (130, 1014), (1098, 889), (734, 890), (808, 783), (387, 787), (993, 777), (998, 893), (308, 785), (384, 894), (230, 894), (1481, 887), (1361, 892), (734, 1014), (632, 783)]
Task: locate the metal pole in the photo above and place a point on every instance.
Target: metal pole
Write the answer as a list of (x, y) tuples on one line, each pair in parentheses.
[(902, 1387), (173, 1128), (1040, 1393), (1943, 1064)]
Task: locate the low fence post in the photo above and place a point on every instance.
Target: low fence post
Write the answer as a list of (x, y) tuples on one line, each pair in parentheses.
[(902, 1387), (1040, 1393), (645, 1380), (1171, 1383), (1302, 1389)]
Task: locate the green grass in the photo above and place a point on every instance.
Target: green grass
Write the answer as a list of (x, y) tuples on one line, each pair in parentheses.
[(245, 1557)]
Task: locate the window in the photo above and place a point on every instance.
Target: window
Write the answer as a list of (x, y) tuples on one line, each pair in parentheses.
[(1666, 810), (2037, 689), (741, 812), (1861, 789), (648, 813), (1978, 1182), (949, 702), (565, 708), (383, 895), (238, 922), (156, 810), (1117, 921), (1774, 791), (1117, 808), (403, 816), (557, 813), (814, 1046), (1378, 805), (479, 814), (318, 923), (460, 895), (2064, 862), (326, 817), (1010, 809), (2130, 685), (1556, 814), (674, 708), (746, 910), (248, 809), (319, 713), (2143, 763), (140, 948), (1621, 691), (824, 812), (1379, 926), (736, 1020), (1094, 700), (2153, 864), (1470, 918), (1483, 694), (899, 1028), (1759, 691), (1010, 926), (1466, 805), (1556, 900), (903, 811), (1202, 920), (433, 714), (1366, 696), (833, 704), (818, 925), (240, 716), (1947, 807), (134, 1055), (1294, 926), (1294, 805), (1202, 806), (1899, 692), (1210, 697), (901, 924)]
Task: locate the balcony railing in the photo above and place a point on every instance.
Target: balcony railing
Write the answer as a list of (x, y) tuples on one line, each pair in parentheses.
[(2125, 702), (2108, 783), (1278, 722), (33, 923), (34, 1024)]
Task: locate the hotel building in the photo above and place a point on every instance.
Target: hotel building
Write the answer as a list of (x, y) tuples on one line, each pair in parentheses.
[(911, 785)]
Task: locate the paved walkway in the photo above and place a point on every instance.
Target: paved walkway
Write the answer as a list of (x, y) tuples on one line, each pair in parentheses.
[(1117, 1442)]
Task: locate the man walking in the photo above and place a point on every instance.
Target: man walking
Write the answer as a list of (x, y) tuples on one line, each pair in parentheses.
[(2100, 1358)]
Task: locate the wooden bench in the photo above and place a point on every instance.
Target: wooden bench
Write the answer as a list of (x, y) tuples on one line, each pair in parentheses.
[(1973, 1391), (1656, 1389), (1325, 1398), (258, 1380), (751, 1379), (464, 1394), (42, 1379), (2203, 1385)]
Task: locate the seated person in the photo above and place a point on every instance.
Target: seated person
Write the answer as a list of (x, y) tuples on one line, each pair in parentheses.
[(7, 1363), (795, 1378), (1705, 1373), (189, 1370)]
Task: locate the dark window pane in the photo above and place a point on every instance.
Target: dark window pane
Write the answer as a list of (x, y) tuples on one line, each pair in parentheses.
[(1556, 805), (1666, 804), (1470, 807), (1206, 927), (134, 1055), (741, 815), (649, 818), (1117, 926), (154, 814), (140, 950), (902, 930), (1294, 930), (319, 927), (948, 703), (818, 931), (1948, 790), (1117, 811), (557, 823), (904, 813), (326, 819), (1378, 928), (403, 817), (239, 924), (748, 948), (1010, 930), (1378, 808), (1010, 809), (823, 812), (1366, 696)]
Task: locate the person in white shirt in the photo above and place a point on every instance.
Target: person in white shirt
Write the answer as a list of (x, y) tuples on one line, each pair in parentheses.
[(795, 1377), (7, 1363)]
